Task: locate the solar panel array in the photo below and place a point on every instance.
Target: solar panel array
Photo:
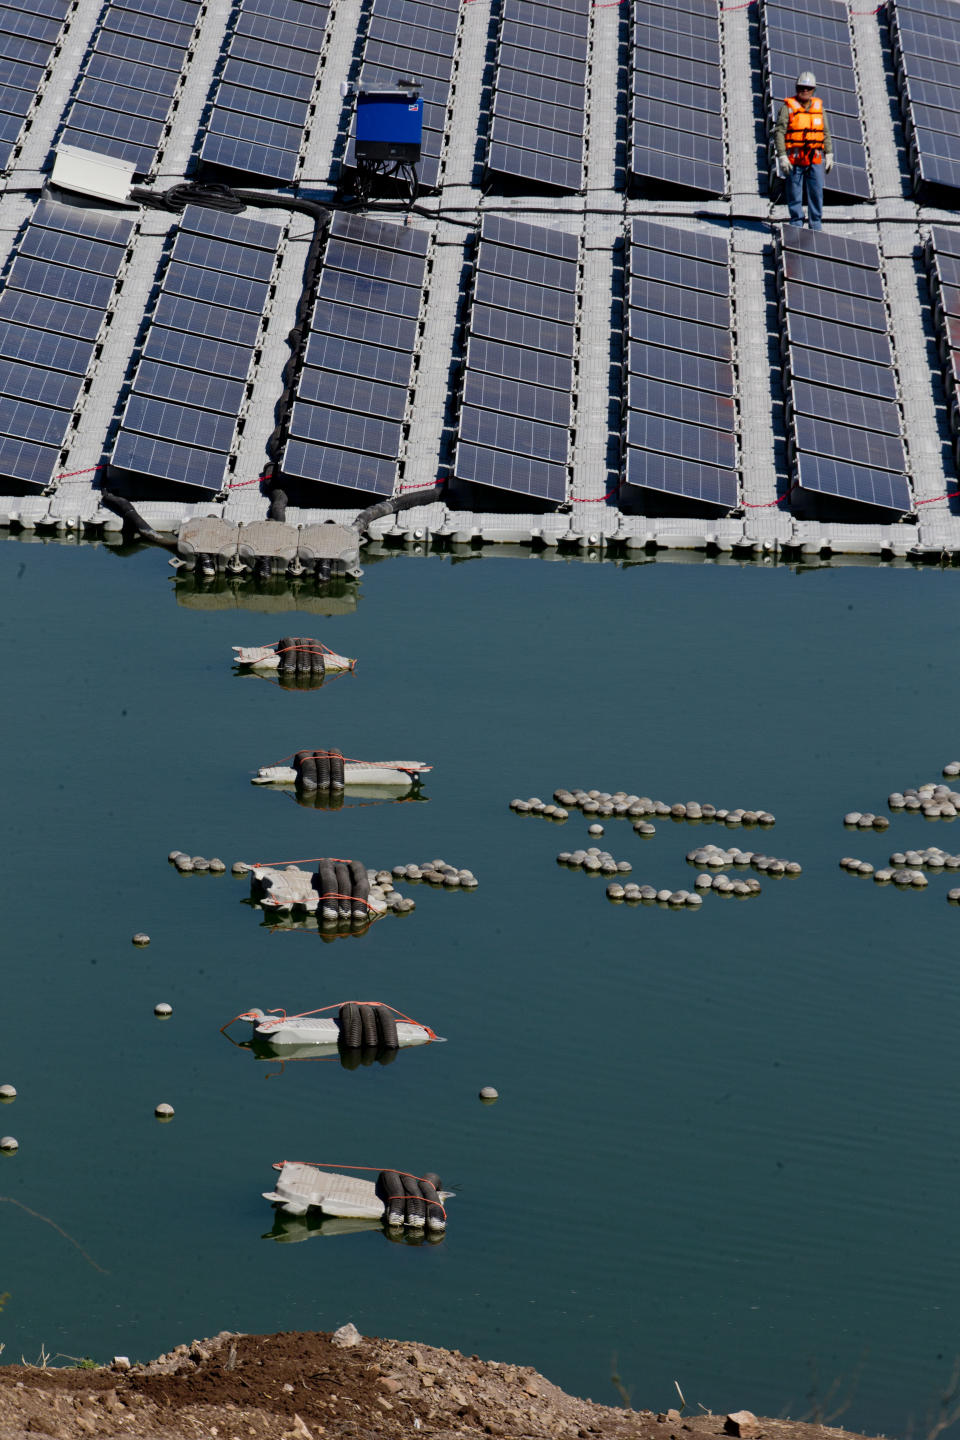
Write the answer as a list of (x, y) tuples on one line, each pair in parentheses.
[(540, 91), (843, 416), (942, 252), (676, 96), (346, 427), (678, 365), (796, 35), (129, 77), (263, 96), (416, 38), (179, 420), (925, 38), (51, 311), (516, 404), (28, 37)]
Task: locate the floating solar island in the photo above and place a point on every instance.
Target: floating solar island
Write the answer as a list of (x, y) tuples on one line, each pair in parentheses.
[(593, 327)]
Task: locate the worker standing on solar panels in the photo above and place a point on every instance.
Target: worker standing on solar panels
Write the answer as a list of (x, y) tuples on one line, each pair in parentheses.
[(804, 151)]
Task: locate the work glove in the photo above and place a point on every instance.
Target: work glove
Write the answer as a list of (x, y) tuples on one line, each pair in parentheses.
[(783, 167), (828, 163)]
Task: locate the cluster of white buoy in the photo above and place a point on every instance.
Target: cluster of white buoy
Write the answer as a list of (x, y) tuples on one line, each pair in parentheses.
[(901, 875), (933, 858), (535, 806), (650, 895), (594, 861), (434, 872), (935, 802), (637, 807), (716, 859), (727, 885), (867, 821), (195, 864)]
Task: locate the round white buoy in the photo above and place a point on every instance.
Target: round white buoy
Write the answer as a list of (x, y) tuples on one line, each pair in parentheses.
[(164, 1112), (8, 1094), (239, 867), (488, 1094), (9, 1145), (174, 855), (852, 817), (141, 939), (217, 867), (162, 1010), (594, 829)]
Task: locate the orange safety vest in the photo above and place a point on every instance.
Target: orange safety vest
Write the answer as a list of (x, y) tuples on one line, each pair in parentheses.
[(804, 137)]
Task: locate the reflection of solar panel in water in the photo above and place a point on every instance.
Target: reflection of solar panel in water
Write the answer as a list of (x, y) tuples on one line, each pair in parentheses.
[(676, 101), (179, 421), (346, 427), (52, 309), (796, 35), (516, 404), (27, 42), (680, 431), (541, 56), (843, 417), (134, 52)]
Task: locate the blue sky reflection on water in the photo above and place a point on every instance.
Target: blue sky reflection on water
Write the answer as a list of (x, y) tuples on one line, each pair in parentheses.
[(724, 1149)]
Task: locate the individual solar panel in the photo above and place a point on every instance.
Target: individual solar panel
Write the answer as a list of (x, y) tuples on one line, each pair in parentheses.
[(348, 469), (534, 367), (356, 393), (343, 288), (648, 264), (839, 479), (388, 265), (215, 288), (523, 297), (849, 279), (696, 372), (673, 475), (675, 333), (707, 123), (528, 331), (694, 407), (513, 434), (163, 460), (192, 352), (801, 36), (659, 165), (842, 407), (28, 37), (834, 305), (840, 339), (541, 58), (209, 392), (675, 437), (512, 397), (520, 474), (352, 357), (138, 47), (21, 460), (37, 423), (840, 372), (695, 305), (365, 325), (45, 387), (21, 307)]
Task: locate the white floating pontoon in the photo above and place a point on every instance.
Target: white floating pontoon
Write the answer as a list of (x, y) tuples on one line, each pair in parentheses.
[(319, 1034), (267, 658), (358, 775), (302, 1187)]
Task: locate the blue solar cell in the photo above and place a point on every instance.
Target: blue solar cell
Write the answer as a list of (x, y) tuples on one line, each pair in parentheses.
[(210, 321), (676, 333), (514, 435), (277, 57), (141, 52), (56, 316), (514, 363), (216, 288), (674, 92), (10, 127), (121, 97), (366, 231), (841, 407), (841, 373), (511, 397), (651, 470), (330, 466), (34, 27), (520, 474), (525, 299), (352, 357), (348, 432), (116, 125), (122, 72), (675, 437), (525, 265), (297, 10), (185, 12), (695, 371), (45, 387), (206, 392), (836, 306), (878, 451), (215, 357), (676, 117), (647, 264), (681, 402), (361, 290), (214, 253), (141, 157), (24, 51), (358, 394), (536, 112), (178, 424), (260, 77), (61, 283), (35, 347), (493, 323), (259, 102), (37, 423), (514, 135), (369, 326), (674, 170), (19, 460), (432, 17), (277, 165), (280, 32), (556, 67), (514, 81), (237, 229), (148, 27), (556, 42), (692, 305), (827, 476), (144, 455), (412, 37), (393, 265), (398, 60), (672, 42)]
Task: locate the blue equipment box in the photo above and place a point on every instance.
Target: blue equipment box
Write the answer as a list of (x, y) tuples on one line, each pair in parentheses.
[(389, 125)]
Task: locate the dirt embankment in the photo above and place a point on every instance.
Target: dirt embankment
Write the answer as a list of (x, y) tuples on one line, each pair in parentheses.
[(306, 1387)]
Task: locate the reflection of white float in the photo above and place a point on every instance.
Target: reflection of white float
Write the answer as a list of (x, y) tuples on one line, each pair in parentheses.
[(301, 1187), (293, 654)]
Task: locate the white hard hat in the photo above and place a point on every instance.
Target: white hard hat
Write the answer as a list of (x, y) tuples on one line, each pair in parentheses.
[(807, 77)]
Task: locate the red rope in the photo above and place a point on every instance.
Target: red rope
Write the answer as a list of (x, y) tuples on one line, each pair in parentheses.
[(67, 474), (596, 499), (949, 495), (769, 504), (239, 484), (337, 1004), (432, 484)]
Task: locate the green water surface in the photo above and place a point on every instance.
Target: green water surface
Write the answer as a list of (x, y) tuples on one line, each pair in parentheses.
[(725, 1150)]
